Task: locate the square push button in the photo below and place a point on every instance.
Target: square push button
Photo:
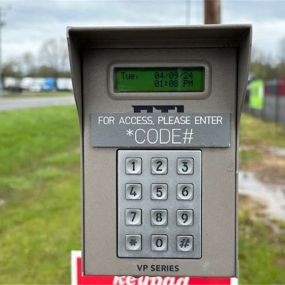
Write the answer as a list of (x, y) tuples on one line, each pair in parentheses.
[(185, 166), (159, 217), (133, 191), (159, 191), (133, 217), (184, 243), (159, 242), (184, 217), (133, 165), (133, 242), (159, 165), (185, 191)]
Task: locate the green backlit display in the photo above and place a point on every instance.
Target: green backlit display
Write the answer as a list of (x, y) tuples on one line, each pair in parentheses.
[(160, 79)]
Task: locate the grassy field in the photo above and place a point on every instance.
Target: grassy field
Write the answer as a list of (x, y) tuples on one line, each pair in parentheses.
[(261, 245), (261, 241), (27, 94), (39, 186), (260, 142), (261, 134), (40, 201)]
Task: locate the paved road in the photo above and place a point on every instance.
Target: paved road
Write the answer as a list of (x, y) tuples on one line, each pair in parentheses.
[(22, 103)]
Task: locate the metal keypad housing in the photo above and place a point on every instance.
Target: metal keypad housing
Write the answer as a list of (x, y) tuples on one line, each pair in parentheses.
[(159, 204)]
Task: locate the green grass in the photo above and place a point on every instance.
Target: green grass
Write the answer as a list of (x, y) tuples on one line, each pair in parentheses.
[(39, 182), (27, 94), (261, 251), (249, 156), (40, 185), (256, 136), (255, 132)]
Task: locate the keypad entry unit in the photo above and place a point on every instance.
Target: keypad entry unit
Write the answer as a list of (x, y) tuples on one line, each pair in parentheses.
[(159, 203)]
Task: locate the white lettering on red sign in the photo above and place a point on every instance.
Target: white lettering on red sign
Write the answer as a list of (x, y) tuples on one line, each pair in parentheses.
[(146, 280)]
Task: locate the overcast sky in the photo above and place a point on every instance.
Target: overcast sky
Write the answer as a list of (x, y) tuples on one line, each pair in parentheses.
[(30, 22)]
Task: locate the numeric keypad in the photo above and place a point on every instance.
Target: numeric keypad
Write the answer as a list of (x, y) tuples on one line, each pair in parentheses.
[(159, 203)]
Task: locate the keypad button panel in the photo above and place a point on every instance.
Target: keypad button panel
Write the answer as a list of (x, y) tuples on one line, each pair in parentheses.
[(159, 204)]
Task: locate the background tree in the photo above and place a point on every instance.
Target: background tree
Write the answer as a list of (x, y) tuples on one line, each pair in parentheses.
[(12, 68), (264, 67), (28, 63), (54, 54), (282, 50)]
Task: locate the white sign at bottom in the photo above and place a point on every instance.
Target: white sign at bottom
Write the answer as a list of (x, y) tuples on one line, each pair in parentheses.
[(77, 278)]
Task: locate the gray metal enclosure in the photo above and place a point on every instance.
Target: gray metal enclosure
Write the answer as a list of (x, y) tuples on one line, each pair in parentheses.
[(94, 52)]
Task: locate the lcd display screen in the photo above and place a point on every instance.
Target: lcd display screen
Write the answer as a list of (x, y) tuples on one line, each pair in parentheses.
[(159, 79)]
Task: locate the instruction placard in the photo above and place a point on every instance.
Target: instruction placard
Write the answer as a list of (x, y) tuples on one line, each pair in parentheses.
[(160, 130)]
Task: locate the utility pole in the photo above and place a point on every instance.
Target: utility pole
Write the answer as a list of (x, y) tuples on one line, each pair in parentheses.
[(2, 23), (212, 11)]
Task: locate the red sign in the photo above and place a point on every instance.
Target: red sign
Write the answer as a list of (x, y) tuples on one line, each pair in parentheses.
[(77, 278)]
